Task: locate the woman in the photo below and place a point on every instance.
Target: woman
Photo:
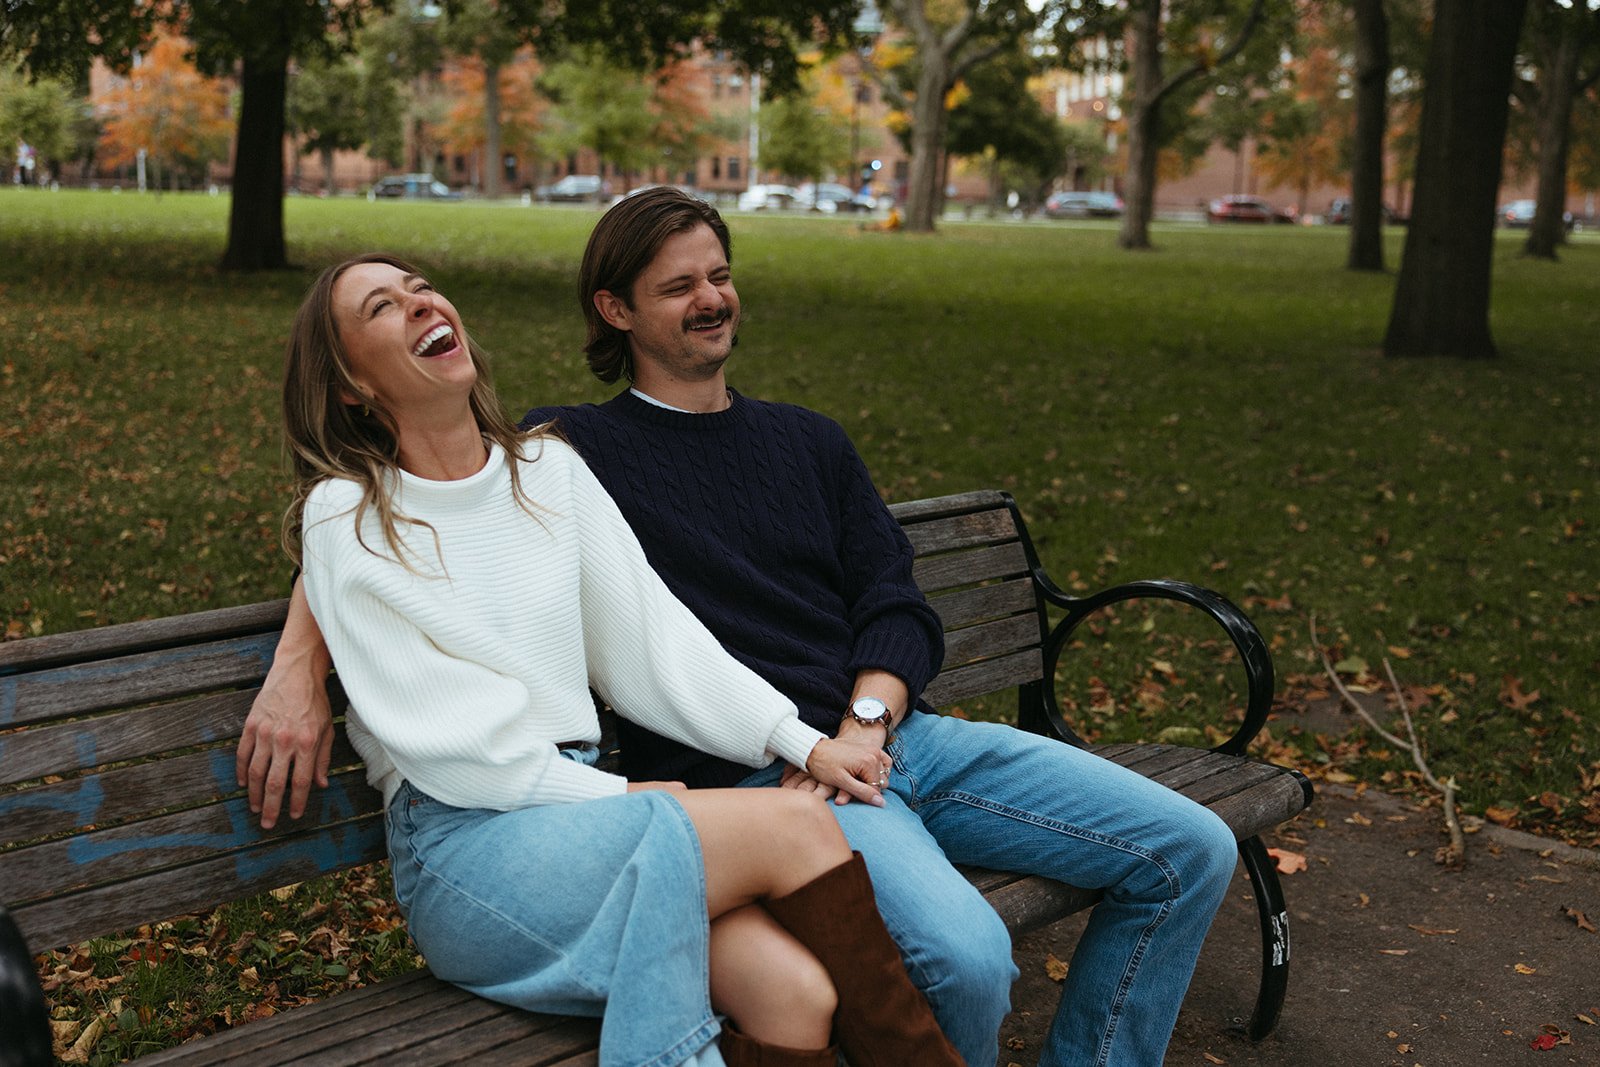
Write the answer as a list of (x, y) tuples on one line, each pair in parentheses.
[(473, 583)]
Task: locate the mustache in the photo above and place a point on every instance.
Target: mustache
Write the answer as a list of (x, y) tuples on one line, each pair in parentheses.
[(708, 319)]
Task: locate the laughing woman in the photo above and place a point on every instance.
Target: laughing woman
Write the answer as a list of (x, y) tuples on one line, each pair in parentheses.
[(473, 582)]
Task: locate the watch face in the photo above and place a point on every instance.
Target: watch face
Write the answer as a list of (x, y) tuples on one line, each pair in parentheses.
[(870, 708)]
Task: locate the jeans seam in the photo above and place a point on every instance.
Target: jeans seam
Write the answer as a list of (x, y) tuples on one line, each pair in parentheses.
[(1168, 873)]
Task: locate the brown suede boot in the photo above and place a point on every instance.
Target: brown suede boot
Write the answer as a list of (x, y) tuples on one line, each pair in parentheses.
[(883, 1020), (739, 1049)]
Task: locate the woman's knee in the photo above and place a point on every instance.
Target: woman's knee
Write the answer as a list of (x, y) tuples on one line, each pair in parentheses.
[(803, 821)]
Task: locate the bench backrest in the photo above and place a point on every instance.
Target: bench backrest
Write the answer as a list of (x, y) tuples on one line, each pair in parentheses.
[(118, 801)]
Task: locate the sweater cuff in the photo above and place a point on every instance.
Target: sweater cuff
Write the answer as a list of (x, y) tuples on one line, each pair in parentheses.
[(901, 652), (792, 741)]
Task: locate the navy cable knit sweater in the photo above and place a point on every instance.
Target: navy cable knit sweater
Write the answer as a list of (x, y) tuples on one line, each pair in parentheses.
[(764, 522)]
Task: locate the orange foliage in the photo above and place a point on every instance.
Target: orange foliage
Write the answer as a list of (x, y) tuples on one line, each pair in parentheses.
[(520, 105), (166, 107)]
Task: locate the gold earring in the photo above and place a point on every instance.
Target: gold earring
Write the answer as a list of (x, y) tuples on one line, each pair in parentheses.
[(366, 412)]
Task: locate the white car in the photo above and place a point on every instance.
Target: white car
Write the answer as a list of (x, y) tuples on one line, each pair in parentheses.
[(768, 198)]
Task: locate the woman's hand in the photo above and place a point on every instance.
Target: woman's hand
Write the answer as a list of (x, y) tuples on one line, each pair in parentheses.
[(856, 769)]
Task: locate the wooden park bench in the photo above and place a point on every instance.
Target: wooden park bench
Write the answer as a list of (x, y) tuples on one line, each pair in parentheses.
[(118, 803)]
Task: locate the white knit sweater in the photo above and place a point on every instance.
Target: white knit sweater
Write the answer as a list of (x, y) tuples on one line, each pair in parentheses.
[(465, 671)]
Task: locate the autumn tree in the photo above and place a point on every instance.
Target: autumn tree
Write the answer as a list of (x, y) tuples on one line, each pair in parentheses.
[(1563, 61), (1441, 300), (948, 39), (485, 36), (467, 127), (170, 111), (1305, 122)]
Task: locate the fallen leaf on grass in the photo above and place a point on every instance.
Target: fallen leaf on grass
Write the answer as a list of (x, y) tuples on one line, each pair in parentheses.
[(1500, 816), (79, 1052), (1358, 819), (1582, 1018), (1523, 968), (1054, 969), (1581, 919), (1288, 862), (1553, 1035)]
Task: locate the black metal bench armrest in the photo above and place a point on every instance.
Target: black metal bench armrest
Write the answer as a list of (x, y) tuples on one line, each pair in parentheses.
[(1240, 630), (24, 1023)]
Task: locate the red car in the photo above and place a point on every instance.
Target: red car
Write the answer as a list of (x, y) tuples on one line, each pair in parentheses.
[(1245, 209)]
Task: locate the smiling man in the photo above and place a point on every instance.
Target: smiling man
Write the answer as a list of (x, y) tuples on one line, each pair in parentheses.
[(763, 520)]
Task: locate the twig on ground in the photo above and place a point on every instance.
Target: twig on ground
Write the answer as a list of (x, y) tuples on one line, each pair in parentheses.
[(1455, 853)]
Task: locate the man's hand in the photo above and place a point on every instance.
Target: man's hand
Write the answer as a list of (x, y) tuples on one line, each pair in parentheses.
[(288, 735)]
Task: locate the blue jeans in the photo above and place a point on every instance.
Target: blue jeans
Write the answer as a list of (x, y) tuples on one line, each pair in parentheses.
[(991, 795)]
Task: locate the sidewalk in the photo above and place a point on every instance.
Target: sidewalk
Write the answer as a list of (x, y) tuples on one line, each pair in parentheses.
[(1396, 960)]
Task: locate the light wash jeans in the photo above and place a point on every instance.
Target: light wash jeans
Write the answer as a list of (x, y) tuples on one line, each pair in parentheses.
[(991, 795), (583, 909)]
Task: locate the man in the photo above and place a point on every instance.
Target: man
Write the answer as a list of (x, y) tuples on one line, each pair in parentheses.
[(761, 517)]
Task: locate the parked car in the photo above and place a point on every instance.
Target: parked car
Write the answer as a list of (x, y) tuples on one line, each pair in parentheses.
[(411, 187), (1339, 213), (574, 189), (833, 197), (769, 198), (1076, 205), (1518, 215), (1245, 209)]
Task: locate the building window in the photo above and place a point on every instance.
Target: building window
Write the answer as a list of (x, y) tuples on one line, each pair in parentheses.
[(733, 168), (716, 168)]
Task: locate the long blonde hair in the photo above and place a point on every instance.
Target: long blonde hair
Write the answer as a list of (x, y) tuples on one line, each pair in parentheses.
[(329, 438)]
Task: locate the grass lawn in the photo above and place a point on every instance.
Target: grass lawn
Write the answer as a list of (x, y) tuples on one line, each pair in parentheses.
[(1216, 410)]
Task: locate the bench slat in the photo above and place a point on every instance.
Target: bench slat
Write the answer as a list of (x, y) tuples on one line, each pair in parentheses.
[(182, 838), (403, 993), (968, 568), (281, 861), (125, 793), (987, 640), (956, 504), (1267, 804), (967, 606), (961, 531), (986, 677), (127, 638), (66, 747), (165, 674)]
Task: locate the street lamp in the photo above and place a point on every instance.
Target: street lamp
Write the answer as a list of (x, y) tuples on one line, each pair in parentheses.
[(867, 26)]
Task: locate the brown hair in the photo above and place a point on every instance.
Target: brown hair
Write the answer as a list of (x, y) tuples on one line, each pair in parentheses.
[(622, 245), (329, 438)]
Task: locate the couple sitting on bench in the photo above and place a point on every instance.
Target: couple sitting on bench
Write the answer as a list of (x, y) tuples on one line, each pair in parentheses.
[(472, 581)]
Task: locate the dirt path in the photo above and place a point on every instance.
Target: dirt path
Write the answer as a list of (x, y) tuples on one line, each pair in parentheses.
[(1396, 961)]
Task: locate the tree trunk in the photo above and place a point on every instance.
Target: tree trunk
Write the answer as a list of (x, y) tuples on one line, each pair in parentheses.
[(1441, 300), (1144, 120), (493, 165), (328, 186), (1372, 112), (1557, 87), (255, 216), (927, 137)]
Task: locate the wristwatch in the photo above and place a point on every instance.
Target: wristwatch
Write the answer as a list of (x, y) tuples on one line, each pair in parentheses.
[(870, 711)]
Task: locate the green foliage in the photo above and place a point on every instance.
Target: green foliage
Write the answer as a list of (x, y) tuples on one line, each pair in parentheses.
[(47, 113), (1001, 122), (801, 138), (344, 103), (598, 105)]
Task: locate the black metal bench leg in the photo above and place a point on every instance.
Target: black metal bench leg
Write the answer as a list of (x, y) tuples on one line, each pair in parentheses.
[(24, 1024), (1274, 936)]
